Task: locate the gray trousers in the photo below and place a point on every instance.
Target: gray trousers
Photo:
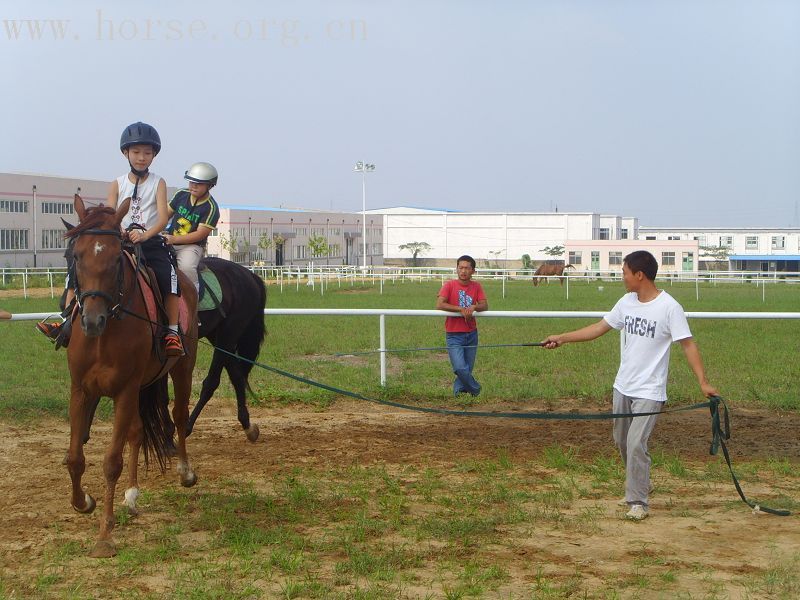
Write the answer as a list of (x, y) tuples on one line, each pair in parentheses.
[(631, 436), (189, 256)]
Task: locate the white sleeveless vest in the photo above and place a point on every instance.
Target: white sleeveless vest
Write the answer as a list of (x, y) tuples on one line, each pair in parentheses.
[(143, 210)]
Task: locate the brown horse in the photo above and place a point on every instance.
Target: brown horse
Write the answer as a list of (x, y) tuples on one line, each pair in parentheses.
[(550, 270), (113, 354)]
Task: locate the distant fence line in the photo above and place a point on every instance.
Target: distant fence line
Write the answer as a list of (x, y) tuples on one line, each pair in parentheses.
[(53, 277)]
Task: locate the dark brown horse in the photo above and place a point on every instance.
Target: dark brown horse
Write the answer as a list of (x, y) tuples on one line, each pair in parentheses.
[(113, 354), (550, 270)]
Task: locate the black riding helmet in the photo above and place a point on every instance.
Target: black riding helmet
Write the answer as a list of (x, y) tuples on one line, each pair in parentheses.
[(140, 133)]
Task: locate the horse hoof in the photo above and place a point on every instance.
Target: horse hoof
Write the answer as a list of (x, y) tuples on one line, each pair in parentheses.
[(90, 505), (189, 479), (104, 549), (131, 495), (252, 432)]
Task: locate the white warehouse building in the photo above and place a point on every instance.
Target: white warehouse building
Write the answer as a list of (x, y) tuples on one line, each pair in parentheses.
[(495, 238)]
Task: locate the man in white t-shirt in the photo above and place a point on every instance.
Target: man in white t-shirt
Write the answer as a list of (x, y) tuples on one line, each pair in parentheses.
[(652, 320)]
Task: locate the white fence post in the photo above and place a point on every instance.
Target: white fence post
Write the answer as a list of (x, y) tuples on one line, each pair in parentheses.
[(383, 348)]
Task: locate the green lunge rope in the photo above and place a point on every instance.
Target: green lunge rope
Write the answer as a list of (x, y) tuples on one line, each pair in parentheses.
[(718, 433), (531, 344)]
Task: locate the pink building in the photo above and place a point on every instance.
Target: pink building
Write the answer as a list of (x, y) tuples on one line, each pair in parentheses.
[(673, 256)]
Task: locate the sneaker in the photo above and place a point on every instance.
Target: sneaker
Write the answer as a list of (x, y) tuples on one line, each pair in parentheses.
[(637, 513), (173, 345), (59, 333), (51, 330)]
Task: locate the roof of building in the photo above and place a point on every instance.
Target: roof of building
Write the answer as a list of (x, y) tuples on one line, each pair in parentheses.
[(764, 257)]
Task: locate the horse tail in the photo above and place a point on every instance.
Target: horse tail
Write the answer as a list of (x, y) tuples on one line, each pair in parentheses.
[(568, 266), (157, 427), (249, 344)]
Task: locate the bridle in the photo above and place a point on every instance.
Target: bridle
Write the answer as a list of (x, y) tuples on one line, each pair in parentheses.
[(114, 304)]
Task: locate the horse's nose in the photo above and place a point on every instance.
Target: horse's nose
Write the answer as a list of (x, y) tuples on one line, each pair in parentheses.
[(93, 325)]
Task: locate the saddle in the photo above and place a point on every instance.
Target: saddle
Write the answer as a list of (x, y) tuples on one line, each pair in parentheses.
[(154, 300), (210, 295)]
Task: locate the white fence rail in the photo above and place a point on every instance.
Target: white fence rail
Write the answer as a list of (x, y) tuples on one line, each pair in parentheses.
[(382, 313)]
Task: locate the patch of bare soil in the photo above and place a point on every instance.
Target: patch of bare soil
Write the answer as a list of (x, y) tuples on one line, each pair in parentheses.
[(696, 529)]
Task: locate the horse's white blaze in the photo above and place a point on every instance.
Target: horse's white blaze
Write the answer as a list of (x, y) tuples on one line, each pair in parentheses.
[(131, 495), (98, 248), (183, 468)]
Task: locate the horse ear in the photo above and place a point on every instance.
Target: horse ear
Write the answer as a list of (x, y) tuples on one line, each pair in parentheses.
[(67, 224), (122, 209), (80, 208)]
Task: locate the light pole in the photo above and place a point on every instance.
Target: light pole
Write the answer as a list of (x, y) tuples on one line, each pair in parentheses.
[(364, 168), (34, 226)]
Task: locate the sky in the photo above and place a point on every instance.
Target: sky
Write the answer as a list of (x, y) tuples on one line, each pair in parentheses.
[(678, 112)]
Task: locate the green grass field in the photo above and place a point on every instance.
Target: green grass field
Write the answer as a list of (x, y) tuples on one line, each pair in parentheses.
[(752, 362)]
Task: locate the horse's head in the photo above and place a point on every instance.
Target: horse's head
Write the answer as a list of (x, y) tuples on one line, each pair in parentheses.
[(97, 249)]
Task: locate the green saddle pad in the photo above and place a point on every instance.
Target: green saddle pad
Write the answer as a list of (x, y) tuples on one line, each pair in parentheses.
[(210, 282)]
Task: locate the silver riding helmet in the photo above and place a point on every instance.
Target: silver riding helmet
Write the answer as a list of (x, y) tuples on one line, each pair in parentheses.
[(202, 172)]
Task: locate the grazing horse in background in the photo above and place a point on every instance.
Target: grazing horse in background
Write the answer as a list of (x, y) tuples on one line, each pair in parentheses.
[(236, 326), (116, 352), (550, 270)]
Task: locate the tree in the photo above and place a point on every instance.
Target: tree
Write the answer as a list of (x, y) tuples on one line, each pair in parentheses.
[(416, 249), (229, 242), (318, 245), (264, 243), (495, 254), (526, 261), (718, 253), (554, 251)]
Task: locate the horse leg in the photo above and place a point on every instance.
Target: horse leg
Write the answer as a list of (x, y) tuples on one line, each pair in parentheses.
[(91, 409), (75, 460), (182, 384), (240, 385), (135, 437), (210, 385), (125, 413)]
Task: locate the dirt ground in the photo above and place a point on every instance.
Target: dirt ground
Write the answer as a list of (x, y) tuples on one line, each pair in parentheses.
[(699, 524)]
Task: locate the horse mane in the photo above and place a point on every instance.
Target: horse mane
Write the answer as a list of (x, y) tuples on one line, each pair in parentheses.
[(94, 217)]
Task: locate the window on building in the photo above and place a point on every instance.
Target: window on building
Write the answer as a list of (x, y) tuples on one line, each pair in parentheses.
[(649, 237), (726, 241), (13, 239), (53, 239), (605, 233), (668, 259), (318, 231), (700, 239), (778, 242), (301, 230), (336, 231), (376, 248), (334, 250), (614, 258), (673, 237), (15, 206), (58, 208), (623, 233), (300, 251), (751, 242), (575, 257)]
